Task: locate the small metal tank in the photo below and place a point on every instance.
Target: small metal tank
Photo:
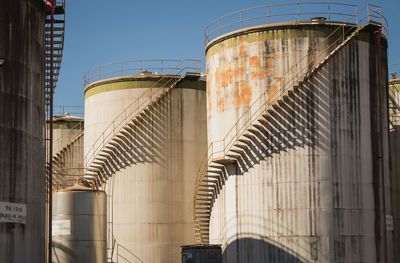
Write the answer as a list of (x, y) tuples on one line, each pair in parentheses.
[(201, 254), (79, 225)]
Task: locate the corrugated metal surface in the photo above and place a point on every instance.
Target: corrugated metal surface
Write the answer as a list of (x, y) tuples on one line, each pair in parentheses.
[(315, 193), (21, 125), (153, 187), (79, 226)]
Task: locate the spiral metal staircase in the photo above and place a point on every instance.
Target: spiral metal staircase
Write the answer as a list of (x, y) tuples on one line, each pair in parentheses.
[(254, 122), (101, 159)]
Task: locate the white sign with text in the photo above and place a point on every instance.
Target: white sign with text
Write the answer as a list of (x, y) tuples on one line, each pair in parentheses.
[(12, 213), (61, 227)]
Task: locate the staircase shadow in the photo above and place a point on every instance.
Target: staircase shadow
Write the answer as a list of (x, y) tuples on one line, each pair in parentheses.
[(142, 140), (257, 251), (299, 120)]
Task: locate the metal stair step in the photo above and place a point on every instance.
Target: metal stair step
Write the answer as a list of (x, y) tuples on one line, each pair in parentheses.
[(245, 141), (249, 136)]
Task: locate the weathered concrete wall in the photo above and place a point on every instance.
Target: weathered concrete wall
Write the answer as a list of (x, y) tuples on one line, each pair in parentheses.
[(153, 191), (22, 171), (72, 168), (65, 129), (315, 194), (68, 148)]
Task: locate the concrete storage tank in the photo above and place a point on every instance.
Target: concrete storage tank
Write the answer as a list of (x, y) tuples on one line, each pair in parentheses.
[(394, 138), (66, 128), (298, 160), (67, 151), (79, 225), (22, 184), (151, 154)]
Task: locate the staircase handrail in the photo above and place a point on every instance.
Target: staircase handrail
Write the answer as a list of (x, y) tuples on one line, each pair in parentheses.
[(124, 256), (129, 67), (60, 46), (264, 106), (71, 138), (294, 12), (170, 79), (296, 77), (393, 101)]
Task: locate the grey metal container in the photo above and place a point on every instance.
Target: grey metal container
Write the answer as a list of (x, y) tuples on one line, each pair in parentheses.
[(201, 254), (79, 226), (22, 181)]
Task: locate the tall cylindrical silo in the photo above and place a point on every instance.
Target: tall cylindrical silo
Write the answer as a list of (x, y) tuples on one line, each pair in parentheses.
[(79, 226), (22, 181), (394, 139), (304, 163), (154, 170)]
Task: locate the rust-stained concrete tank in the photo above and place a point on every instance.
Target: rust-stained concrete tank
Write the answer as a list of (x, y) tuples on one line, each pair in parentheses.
[(154, 171), (22, 181), (313, 186), (394, 138)]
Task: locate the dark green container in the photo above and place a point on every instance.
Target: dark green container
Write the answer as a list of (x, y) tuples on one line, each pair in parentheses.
[(201, 254)]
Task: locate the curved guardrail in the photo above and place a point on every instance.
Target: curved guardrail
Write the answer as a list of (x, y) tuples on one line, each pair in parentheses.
[(289, 12), (133, 67)]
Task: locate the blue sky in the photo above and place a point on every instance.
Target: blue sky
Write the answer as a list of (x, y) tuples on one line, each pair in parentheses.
[(105, 31)]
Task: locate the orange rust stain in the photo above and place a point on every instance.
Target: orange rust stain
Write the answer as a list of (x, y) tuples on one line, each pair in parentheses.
[(242, 94), (258, 74), (269, 63), (271, 94), (226, 76), (217, 78), (220, 100), (243, 51), (209, 98), (254, 62), (239, 72)]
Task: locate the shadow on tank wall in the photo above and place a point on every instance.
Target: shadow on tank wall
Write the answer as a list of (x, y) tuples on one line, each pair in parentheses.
[(251, 250), (146, 143), (60, 249)]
